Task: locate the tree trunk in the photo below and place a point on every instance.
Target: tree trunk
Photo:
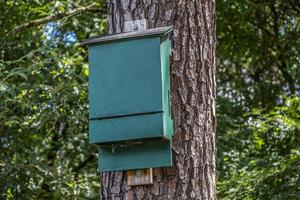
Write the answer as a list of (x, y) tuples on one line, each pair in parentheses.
[(193, 99)]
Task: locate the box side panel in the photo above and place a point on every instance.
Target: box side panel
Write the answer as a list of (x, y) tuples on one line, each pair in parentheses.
[(165, 49), (124, 77), (148, 154), (126, 128)]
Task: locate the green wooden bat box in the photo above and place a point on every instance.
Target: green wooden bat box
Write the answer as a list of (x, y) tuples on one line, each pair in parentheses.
[(129, 99)]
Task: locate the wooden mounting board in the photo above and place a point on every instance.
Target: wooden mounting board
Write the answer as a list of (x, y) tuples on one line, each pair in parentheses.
[(140, 177)]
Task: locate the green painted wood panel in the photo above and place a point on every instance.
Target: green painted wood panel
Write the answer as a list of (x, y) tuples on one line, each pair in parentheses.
[(129, 102), (120, 86), (146, 154), (165, 51), (125, 77), (126, 128)]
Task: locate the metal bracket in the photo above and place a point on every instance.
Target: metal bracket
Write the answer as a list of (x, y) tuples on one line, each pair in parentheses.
[(136, 25)]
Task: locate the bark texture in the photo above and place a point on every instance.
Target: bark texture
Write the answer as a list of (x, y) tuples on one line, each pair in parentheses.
[(193, 99)]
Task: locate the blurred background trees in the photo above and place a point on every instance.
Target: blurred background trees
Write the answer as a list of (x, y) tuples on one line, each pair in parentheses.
[(44, 152), (258, 99)]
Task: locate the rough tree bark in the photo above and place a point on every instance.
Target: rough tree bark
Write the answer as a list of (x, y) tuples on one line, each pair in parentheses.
[(193, 99)]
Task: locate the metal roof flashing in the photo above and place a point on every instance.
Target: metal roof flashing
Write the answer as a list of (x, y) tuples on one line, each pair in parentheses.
[(124, 36)]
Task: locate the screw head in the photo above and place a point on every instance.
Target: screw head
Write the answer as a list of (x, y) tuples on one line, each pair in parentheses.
[(135, 27)]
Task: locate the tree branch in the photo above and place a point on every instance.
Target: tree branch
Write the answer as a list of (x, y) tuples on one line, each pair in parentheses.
[(44, 20)]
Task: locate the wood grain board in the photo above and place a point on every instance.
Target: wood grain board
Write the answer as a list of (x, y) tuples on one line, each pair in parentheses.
[(140, 177)]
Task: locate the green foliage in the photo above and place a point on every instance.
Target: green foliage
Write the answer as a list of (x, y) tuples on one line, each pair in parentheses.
[(44, 153), (267, 166), (258, 99)]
